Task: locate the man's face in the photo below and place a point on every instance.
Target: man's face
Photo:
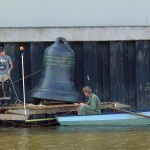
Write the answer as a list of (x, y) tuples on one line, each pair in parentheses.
[(86, 94), (2, 53)]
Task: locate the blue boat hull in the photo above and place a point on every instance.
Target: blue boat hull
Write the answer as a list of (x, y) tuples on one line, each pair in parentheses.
[(106, 119)]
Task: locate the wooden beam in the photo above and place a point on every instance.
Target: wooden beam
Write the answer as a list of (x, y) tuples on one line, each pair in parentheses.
[(13, 117), (42, 111), (52, 109)]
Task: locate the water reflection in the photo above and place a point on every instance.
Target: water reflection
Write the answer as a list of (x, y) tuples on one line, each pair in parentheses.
[(75, 138), (23, 142)]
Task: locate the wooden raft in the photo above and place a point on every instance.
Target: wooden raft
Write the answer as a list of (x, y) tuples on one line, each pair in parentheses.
[(15, 112)]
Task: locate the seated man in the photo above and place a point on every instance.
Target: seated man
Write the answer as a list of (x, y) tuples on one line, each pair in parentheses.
[(92, 107)]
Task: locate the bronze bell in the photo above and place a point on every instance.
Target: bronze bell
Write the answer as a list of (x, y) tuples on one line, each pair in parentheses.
[(56, 83)]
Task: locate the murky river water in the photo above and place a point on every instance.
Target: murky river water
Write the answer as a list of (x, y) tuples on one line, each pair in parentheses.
[(75, 138)]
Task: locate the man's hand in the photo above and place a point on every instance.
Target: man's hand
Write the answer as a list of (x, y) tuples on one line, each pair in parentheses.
[(76, 104), (8, 72), (82, 104), (79, 104)]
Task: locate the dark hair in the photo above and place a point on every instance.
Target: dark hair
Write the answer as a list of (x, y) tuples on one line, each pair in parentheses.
[(2, 49), (87, 89)]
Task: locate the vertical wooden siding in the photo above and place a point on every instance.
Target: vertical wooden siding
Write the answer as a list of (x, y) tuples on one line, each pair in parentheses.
[(116, 71)]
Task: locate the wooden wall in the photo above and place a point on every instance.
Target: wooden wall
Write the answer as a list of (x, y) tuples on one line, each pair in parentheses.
[(116, 71)]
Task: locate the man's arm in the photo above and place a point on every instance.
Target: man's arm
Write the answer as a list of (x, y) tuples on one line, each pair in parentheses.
[(10, 66), (92, 106)]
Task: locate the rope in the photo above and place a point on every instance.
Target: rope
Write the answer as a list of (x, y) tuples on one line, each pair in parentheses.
[(35, 120), (27, 76), (18, 102)]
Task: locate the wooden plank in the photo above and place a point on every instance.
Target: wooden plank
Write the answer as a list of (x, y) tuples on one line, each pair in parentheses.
[(79, 67), (131, 75), (13, 117), (126, 72), (45, 110), (90, 64), (106, 105), (105, 72), (116, 71), (142, 74), (52, 109), (31, 106), (37, 51)]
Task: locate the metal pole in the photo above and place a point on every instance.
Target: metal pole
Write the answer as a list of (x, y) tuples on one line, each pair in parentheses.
[(24, 99)]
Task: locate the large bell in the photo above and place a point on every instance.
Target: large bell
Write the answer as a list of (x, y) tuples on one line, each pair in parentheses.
[(56, 83)]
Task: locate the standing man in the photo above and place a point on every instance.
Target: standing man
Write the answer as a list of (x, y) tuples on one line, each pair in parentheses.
[(6, 66), (92, 107)]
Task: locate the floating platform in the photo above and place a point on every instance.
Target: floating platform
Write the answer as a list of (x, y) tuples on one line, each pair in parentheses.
[(18, 113)]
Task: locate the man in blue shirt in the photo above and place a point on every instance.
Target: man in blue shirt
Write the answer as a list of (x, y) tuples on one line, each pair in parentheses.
[(6, 66)]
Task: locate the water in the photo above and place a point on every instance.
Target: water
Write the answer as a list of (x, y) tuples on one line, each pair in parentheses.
[(76, 138)]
